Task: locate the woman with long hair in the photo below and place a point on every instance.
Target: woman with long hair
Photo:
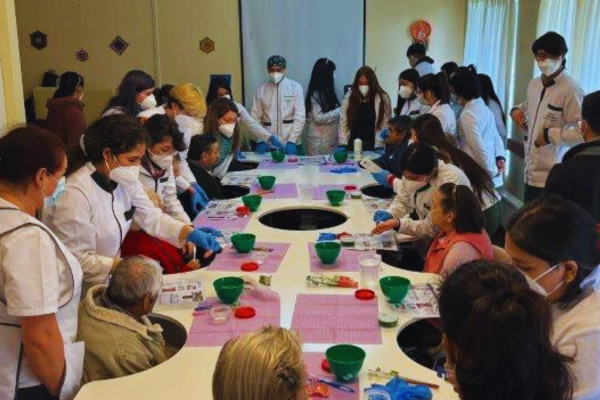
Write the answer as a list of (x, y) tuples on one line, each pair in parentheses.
[(408, 103), (134, 95), (434, 91), (489, 96), (65, 109), (222, 121)]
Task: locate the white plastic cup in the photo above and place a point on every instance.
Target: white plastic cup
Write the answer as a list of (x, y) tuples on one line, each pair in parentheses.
[(370, 265), (306, 192)]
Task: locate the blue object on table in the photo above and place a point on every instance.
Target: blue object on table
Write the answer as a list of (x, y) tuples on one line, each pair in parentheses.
[(240, 155), (344, 170), (326, 236), (385, 133), (340, 148), (290, 149), (204, 240), (261, 148), (274, 141), (337, 385), (382, 216), (212, 231), (399, 389), (381, 177)]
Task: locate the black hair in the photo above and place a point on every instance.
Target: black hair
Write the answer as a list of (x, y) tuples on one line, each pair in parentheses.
[(119, 133), (590, 111), (466, 83), (553, 44), (420, 159), (449, 68), (68, 83), (462, 202), (355, 98), (555, 229), (201, 144), (24, 151), (162, 95), (501, 331), (411, 75), (217, 82), (401, 123), (429, 130), (416, 49), (321, 86), (133, 82), (160, 127), (437, 84), (489, 93)]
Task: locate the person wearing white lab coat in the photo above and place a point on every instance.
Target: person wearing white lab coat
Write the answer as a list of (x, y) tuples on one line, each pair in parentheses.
[(40, 280), (279, 105), (434, 92), (477, 134), (550, 113), (418, 59), (103, 196), (561, 264), (323, 109), (408, 103), (490, 97)]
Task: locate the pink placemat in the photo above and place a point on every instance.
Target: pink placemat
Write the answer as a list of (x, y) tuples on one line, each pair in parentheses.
[(205, 334), (333, 318), (313, 366), (231, 260), (319, 191), (270, 164), (326, 168), (237, 224), (279, 191), (348, 260)]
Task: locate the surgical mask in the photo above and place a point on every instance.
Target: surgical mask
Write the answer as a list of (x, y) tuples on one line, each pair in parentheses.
[(125, 176), (536, 287), (411, 141), (454, 99), (276, 77), (164, 162), (413, 186), (55, 190), (421, 99), (364, 90), (227, 96), (549, 66), (405, 92), (227, 129), (148, 103)]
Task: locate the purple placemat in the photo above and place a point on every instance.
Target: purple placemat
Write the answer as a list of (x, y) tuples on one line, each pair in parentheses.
[(270, 164), (236, 224), (319, 191), (203, 333), (333, 165), (348, 260), (279, 191), (335, 318), (313, 367), (231, 260)]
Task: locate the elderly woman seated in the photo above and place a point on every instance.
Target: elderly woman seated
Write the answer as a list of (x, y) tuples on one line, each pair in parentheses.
[(113, 323)]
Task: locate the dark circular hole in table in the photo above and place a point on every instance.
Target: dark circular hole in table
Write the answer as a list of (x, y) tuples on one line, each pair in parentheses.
[(234, 191), (303, 219), (378, 191), (246, 165)]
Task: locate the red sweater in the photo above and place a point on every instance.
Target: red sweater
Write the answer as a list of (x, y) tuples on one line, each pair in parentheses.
[(65, 119), (439, 249)]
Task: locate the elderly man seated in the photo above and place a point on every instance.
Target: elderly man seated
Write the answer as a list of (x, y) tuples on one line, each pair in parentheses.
[(119, 338)]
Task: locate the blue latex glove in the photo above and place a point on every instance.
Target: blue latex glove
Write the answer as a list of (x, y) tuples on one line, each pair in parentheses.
[(381, 177), (379, 150), (385, 133), (212, 231), (340, 148), (204, 240), (344, 170), (326, 236), (261, 148), (399, 389), (199, 200), (382, 216), (290, 149), (240, 155), (274, 142)]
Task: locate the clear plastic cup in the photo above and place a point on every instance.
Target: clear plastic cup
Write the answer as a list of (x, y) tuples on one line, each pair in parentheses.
[(370, 264), (259, 256), (306, 192)]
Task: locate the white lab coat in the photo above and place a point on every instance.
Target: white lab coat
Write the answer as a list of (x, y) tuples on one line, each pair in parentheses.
[(252, 126), (160, 110), (280, 108), (38, 276), (420, 201), (413, 108), (478, 137), (93, 221), (167, 192), (576, 333), (500, 124), (189, 126), (344, 130), (559, 110), (424, 67), (321, 134), (446, 115)]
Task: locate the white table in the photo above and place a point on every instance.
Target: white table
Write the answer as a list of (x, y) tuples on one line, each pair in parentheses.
[(188, 375)]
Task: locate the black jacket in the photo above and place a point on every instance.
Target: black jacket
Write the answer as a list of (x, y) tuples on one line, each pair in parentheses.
[(211, 186), (390, 160), (577, 178)]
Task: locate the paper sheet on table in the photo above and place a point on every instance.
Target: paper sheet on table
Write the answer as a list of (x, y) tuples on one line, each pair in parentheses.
[(373, 205), (279, 191), (311, 160), (180, 292), (270, 164), (347, 261), (331, 318), (421, 301), (239, 179), (369, 241), (231, 260), (313, 367), (221, 214)]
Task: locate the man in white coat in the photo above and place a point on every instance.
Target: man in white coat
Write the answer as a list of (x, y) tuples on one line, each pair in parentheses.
[(418, 59), (279, 105), (549, 114)]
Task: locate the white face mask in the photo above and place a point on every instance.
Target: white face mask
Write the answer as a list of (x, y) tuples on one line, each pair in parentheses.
[(164, 162), (536, 287), (227, 96), (148, 103), (405, 92), (413, 186), (549, 66), (364, 90), (125, 176), (421, 99), (227, 129), (276, 77)]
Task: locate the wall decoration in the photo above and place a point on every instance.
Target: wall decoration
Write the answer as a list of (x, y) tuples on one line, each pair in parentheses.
[(82, 55), (119, 45), (39, 40), (207, 45), (421, 32)]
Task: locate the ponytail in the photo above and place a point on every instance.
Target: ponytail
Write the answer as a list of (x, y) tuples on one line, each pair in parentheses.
[(437, 84), (461, 200), (68, 84)]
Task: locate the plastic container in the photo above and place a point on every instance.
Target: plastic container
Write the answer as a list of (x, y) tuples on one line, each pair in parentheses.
[(370, 265), (394, 288), (340, 156), (377, 394), (243, 242), (277, 156), (252, 201), (356, 195), (345, 361), (229, 289), (328, 252), (219, 314), (306, 192), (357, 149), (259, 256), (266, 181), (336, 197)]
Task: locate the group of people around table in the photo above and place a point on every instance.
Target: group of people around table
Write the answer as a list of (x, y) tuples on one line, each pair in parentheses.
[(138, 176)]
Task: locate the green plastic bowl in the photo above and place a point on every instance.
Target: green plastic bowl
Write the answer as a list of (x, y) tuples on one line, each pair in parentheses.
[(243, 242), (252, 201), (336, 197), (395, 288), (229, 289), (340, 156), (266, 182), (328, 252), (278, 155), (345, 361)]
